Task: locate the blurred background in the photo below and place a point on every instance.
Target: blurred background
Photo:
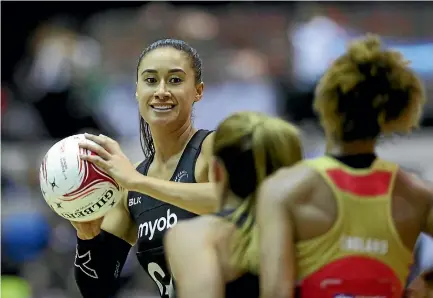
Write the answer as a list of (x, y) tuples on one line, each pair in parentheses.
[(69, 67)]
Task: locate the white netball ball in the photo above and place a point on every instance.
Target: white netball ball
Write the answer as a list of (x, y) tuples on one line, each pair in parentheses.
[(76, 189)]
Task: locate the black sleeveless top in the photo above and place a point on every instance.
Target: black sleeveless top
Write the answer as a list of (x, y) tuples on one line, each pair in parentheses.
[(154, 217), (247, 285)]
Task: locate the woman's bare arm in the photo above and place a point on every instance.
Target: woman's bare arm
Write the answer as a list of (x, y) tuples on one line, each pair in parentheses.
[(277, 247)]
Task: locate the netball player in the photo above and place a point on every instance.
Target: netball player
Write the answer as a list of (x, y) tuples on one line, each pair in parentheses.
[(169, 82), (214, 255), (345, 225)]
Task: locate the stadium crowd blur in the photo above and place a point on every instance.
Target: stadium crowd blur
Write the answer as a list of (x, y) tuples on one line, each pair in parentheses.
[(72, 70)]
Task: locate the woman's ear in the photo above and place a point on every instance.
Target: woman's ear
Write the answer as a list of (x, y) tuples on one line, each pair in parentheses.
[(199, 92)]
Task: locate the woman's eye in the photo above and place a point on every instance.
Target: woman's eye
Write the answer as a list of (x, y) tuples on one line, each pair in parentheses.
[(150, 80), (175, 80)]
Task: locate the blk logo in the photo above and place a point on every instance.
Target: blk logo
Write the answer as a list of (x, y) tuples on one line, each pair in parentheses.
[(134, 201)]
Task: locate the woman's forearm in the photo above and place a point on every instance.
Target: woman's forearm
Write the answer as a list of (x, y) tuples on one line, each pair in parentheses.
[(199, 198)]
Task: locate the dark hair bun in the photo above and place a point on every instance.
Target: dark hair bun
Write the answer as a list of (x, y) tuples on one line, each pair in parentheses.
[(373, 91)]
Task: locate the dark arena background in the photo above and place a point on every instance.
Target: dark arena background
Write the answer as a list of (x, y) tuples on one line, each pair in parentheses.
[(69, 67)]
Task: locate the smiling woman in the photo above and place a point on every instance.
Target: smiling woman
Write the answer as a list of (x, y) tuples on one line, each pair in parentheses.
[(174, 59), (169, 82)]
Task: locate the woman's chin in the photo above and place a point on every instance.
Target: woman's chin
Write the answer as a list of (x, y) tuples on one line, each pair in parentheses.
[(163, 120)]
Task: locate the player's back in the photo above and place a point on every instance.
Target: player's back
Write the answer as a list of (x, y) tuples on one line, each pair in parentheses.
[(247, 284), (356, 230), (217, 232)]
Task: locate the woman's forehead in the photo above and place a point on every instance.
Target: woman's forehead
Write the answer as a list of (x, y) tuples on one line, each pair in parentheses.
[(165, 59)]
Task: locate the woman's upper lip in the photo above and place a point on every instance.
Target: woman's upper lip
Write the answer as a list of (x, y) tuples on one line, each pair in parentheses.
[(162, 104)]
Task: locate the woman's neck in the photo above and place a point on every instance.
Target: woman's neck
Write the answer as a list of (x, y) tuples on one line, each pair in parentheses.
[(352, 148), (171, 142)]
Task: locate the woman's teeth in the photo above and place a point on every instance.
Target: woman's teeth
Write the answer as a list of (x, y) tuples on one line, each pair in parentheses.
[(162, 107)]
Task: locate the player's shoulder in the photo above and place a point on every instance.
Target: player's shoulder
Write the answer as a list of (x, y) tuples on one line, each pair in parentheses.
[(300, 171), (196, 225), (199, 229), (207, 145), (418, 187), (204, 159), (288, 177), (184, 232), (297, 179)]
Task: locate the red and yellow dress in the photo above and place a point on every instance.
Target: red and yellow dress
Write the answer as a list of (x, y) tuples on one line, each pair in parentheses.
[(362, 255)]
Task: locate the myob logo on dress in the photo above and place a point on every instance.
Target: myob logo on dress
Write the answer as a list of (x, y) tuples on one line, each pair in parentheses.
[(147, 229)]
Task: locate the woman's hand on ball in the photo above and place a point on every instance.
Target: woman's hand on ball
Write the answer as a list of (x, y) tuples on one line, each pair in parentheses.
[(88, 230), (110, 158)]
